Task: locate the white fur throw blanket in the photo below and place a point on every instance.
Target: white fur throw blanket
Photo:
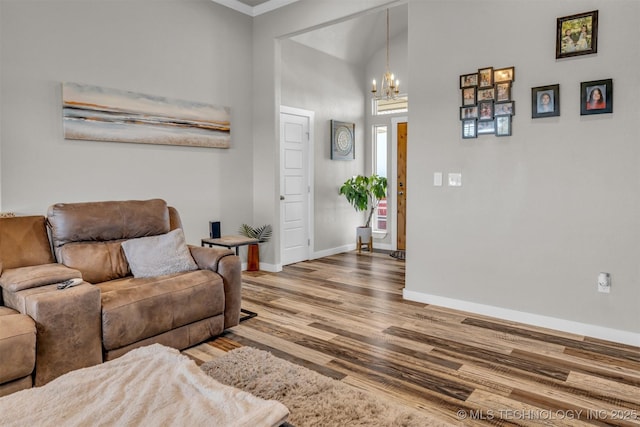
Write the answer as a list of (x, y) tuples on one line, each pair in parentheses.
[(149, 386)]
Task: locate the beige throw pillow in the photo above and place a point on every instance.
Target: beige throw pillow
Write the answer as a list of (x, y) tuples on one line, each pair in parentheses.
[(157, 255)]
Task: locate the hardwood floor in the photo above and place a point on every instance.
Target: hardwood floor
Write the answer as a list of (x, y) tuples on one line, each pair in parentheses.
[(344, 316)]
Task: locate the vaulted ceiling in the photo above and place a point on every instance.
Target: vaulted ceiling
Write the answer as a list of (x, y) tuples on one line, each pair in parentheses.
[(353, 40)]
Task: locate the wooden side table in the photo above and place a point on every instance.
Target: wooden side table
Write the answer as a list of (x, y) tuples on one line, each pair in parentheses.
[(233, 242), (229, 242)]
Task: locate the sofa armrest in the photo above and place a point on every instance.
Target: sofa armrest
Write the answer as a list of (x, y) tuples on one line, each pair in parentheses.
[(17, 345), (68, 327), (208, 258), (227, 265), (230, 268), (21, 278)]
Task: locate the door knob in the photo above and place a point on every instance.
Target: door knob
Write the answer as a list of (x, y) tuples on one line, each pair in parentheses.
[(281, 197)]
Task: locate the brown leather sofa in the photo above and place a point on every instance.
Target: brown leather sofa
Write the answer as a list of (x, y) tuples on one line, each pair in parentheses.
[(112, 312)]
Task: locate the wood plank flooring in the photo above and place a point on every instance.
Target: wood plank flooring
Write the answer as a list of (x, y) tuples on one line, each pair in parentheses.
[(343, 316)]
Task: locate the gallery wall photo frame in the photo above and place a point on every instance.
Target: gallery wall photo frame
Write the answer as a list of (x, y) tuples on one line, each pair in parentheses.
[(469, 129), (487, 96), (577, 35), (503, 125), (545, 101), (485, 77), (596, 97), (507, 74), (343, 140)]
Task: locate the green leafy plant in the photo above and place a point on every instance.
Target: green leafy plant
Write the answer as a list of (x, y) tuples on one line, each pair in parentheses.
[(364, 193), (263, 233)]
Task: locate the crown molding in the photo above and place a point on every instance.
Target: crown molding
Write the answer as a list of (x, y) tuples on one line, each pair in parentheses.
[(257, 10)]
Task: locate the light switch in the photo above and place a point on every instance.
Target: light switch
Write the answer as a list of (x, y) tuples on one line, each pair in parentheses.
[(437, 179), (455, 180)]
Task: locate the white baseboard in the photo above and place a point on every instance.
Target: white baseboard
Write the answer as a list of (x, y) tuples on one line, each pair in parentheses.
[(616, 335), (333, 251), (272, 268)]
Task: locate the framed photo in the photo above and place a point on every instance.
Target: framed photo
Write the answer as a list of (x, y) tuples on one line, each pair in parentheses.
[(468, 80), (469, 129), (468, 112), (504, 108), (504, 75), (342, 140), (469, 96), (486, 127), (545, 101), (503, 91), (503, 126), (577, 35), (596, 97), (485, 110), (485, 77), (488, 94)]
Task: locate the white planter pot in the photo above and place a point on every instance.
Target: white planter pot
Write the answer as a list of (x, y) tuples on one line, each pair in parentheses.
[(363, 237), (364, 233)]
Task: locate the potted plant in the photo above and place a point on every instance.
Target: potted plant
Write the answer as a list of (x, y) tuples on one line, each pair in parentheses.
[(364, 194), (263, 234)]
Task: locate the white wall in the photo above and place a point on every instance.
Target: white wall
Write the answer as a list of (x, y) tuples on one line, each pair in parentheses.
[(332, 89), (194, 50), (542, 212)]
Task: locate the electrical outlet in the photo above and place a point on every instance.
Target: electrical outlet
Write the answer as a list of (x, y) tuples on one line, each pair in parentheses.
[(604, 283), (455, 180)]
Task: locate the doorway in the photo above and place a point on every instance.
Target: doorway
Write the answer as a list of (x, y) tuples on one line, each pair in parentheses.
[(401, 182), (398, 184), (296, 189)]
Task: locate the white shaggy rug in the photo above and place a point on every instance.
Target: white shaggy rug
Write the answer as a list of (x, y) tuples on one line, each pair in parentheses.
[(149, 386), (313, 399)]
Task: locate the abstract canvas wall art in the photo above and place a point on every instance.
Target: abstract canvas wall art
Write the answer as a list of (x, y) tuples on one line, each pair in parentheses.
[(101, 114)]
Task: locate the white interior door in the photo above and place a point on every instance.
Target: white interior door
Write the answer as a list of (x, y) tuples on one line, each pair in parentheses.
[(295, 184)]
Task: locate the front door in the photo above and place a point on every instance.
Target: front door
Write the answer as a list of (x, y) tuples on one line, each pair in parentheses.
[(402, 186), (294, 185)]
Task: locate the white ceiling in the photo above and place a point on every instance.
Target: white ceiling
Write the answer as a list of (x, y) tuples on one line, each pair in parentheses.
[(353, 40)]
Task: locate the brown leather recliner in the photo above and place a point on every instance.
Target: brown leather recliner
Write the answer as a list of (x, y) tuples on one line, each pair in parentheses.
[(23, 247), (17, 350), (114, 312)]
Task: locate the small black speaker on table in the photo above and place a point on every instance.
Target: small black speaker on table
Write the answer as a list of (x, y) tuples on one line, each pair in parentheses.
[(214, 229)]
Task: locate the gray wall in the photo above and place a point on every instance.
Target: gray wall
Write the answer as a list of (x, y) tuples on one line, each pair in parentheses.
[(542, 212), (194, 50), (268, 32), (332, 89)]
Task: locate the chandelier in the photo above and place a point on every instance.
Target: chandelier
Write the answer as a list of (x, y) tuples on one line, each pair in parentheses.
[(389, 87)]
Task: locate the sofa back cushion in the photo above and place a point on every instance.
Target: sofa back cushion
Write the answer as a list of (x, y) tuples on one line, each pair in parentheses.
[(24, 242), (105, 221), (88, 236)]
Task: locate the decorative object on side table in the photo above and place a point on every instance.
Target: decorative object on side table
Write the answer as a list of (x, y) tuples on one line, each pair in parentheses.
[(342, 140), (364, 194), (263, 234), (577, 35), (596, 97)]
